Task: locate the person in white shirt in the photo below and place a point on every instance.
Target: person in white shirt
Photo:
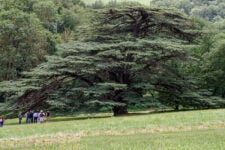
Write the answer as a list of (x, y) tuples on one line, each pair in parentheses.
[(35, 115), (41, 115)]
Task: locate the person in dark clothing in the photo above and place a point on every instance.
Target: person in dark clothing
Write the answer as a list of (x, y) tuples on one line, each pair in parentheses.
[(31, 117), (48, 116)]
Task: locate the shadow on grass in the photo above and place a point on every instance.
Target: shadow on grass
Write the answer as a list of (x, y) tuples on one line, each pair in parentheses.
[(163, 111)]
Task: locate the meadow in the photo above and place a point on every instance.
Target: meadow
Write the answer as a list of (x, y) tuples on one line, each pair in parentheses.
[(190, 130)]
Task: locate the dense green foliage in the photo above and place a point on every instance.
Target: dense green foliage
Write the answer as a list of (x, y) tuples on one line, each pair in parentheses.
[(28, 32), (24, 43), (119, 72), (113, 56)]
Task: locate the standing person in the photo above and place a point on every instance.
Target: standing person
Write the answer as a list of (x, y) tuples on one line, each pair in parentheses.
[(35, 117), (31, 117), (41, 116), (27, 117), (20, 117), (1, 121), (38, 119), (48, 116)]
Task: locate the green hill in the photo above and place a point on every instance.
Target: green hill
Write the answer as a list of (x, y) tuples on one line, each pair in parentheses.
[(199, 130)]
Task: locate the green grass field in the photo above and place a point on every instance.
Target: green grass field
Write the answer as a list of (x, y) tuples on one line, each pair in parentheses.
[(190, 130)]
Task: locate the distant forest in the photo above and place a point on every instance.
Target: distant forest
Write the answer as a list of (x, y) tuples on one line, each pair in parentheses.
[(212, 10)]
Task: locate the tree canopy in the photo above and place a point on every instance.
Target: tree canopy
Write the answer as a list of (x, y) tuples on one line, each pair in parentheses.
[(108, 58), (130, 53)]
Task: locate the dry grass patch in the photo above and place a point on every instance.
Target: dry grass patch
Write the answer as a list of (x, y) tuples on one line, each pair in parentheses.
[(37, 141), (74, 139), (154, 130)]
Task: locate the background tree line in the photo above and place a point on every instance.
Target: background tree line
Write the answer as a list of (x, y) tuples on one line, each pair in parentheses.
[(212, 10), (30, 29)]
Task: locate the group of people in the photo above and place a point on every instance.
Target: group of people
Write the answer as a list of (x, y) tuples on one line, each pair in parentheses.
[(31, 117), (35, 116)]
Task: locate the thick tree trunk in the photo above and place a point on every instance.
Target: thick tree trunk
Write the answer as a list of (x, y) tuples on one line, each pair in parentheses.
[(176, 105), (120, 110)]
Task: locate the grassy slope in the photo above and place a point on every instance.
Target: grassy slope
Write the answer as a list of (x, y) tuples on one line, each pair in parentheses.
[(181, 130), (213, 139)]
